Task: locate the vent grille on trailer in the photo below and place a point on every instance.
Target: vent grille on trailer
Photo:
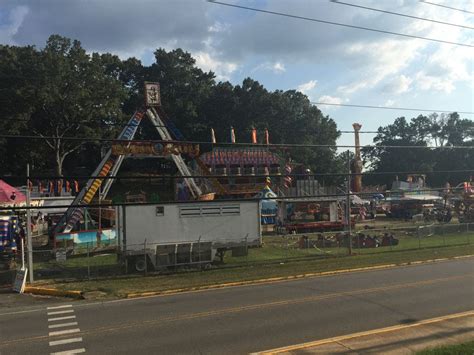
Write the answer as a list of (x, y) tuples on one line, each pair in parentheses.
[(209, 211)]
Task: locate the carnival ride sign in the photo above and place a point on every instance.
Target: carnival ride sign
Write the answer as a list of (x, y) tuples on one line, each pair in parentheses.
[(152, 94), (154, 149)]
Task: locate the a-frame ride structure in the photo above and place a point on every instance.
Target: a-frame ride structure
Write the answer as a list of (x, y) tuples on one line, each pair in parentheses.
[(111, 162)]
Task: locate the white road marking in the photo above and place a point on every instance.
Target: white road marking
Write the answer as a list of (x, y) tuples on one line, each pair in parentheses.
[(58, 307), (62, 325), (63, 309), (60, 312), (61, 318), (66, 331), (65, 341), (67, 352)]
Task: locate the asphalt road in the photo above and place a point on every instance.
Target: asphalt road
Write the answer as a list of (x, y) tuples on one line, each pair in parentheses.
[(242, 319)]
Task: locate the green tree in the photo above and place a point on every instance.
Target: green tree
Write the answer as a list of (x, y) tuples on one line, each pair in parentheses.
[(437, 131), (63, 92), (184, 87)]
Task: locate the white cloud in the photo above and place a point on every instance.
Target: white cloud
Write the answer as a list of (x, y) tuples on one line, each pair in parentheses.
[(12, 25), (277, 67), (305, 87), (218, 27), (427, 82), (222, 69), (330, 100), (398, 85), (389, 103), (382, 58)]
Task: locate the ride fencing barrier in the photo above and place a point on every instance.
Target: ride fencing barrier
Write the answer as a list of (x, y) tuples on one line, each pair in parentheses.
[(92, 261)]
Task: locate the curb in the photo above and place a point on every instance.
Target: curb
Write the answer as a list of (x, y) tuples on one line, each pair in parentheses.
[(285, 278), (337, 339), (53, 292)]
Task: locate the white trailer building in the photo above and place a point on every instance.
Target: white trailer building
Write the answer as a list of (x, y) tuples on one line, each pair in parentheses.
[(187, 233)]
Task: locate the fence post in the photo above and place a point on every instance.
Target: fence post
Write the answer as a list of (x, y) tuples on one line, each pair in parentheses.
[(444, 234), (419, 239), (144, 256), (246, 250), (88, 263), (22, 254), (467, 233), (199, 253)]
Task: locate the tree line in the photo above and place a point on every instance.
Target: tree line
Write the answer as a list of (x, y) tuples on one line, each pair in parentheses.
[(62, 91)]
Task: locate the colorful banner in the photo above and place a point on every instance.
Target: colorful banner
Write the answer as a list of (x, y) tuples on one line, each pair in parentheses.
[(158, 149)]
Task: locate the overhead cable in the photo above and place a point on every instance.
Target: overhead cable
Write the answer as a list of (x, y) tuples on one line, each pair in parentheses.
[(338, 23), (399, 14), (210, 175), (392, 108), (447, 7), (229, 144)]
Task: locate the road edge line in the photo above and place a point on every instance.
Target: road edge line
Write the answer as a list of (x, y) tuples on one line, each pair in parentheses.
[(362, 334)]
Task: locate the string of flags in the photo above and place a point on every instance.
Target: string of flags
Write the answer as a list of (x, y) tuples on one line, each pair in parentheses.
[(55, 186), (266, 138)]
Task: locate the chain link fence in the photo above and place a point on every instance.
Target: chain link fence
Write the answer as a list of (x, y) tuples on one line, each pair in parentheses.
[(92, 261)]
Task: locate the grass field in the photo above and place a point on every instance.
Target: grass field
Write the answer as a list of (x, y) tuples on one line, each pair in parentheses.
[(459, 349), (286, 248), (275, 249)]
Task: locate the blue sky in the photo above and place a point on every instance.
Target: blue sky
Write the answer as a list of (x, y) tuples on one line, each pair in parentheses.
[(328, 63)]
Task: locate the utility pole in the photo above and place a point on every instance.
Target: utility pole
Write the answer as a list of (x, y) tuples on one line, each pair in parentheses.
[(348, 203), (28, 225)]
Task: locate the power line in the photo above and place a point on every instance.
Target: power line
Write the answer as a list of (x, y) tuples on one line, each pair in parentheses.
[(164, 126), (256, 176), (245, 129), (447, 7), (392, 108), (228, 144), (337, 23), (402, 15)]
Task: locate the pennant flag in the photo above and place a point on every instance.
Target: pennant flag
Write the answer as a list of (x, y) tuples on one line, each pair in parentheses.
[(254, 135), (213, 136)]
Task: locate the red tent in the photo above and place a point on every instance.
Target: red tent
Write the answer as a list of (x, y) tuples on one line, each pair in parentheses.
[(7, 192)]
